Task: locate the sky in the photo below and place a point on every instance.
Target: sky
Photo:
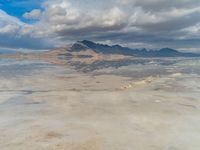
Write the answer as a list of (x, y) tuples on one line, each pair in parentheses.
[(151, 24)]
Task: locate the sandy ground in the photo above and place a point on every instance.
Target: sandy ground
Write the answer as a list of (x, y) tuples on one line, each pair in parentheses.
[(53, 108)]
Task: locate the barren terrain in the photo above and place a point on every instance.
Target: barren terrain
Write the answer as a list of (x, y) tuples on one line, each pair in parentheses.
[(48, 104)]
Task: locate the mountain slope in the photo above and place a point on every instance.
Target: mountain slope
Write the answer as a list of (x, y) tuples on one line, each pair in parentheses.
[(117, 49)]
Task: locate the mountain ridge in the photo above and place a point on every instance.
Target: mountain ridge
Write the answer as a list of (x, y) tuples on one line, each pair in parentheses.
[(118, 49)]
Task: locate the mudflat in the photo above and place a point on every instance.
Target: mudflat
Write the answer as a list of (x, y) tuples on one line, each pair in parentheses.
[(140, 106)]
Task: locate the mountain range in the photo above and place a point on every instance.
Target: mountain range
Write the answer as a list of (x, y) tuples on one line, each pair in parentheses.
[(117, 49), (88, 56)]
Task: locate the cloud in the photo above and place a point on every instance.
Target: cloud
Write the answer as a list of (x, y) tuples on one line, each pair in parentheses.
[(165, 22), (152, 23), (63, 17), (160, 5), (126, 21), (16, 34), (34, 14)]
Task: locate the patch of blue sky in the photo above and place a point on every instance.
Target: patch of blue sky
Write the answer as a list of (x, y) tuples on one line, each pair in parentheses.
[(18, 7)]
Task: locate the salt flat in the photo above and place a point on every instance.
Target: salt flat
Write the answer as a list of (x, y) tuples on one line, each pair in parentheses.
[(44, 106)]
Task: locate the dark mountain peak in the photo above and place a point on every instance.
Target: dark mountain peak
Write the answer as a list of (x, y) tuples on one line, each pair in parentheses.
[(168, 50), (117, 46), (86, 42), (94, 45), (78, 46)]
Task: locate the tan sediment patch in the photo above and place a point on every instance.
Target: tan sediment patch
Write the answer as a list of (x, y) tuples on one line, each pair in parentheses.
[(52, 135), (136, 84), (93, 57), (90, 144)]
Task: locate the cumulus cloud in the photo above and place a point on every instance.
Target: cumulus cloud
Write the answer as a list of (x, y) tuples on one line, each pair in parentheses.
[(34, 14), (63, 18)]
